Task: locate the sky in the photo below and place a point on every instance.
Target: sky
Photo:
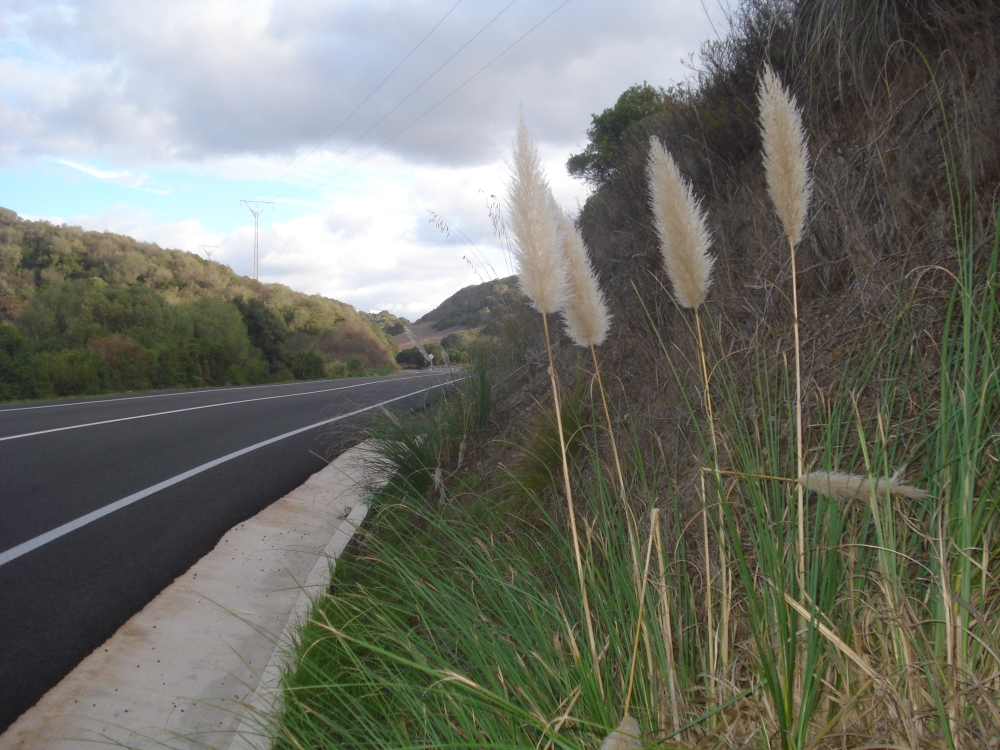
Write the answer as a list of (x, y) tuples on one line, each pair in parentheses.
[(368, 124)]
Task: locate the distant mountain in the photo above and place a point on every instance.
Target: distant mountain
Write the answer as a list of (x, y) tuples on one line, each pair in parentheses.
[(475, 306), (89, 312)]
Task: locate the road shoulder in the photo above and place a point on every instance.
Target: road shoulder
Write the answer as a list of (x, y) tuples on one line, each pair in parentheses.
[(182, 671)]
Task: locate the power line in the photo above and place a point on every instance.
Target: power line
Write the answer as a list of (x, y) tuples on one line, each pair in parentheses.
[(432, 107), (402, 101), (363, 101)]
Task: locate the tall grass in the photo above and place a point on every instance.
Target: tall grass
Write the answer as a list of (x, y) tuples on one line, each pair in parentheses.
[(459, 624), (730, 604)]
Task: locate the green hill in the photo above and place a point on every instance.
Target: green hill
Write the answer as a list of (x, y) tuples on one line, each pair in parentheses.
[(475, 306), (91, 312)]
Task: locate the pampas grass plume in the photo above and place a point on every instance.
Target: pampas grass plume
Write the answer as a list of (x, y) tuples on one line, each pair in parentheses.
[(680, 223), (537, 239), (628, 736), (586, 310), (786, 156), (841, 486)]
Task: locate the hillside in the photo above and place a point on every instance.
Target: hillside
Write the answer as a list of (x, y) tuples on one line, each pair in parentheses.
[(769, 521), (458, 322), (89, 312), (475, 306)]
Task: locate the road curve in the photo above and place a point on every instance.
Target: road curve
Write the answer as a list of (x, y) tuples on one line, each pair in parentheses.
[(104, 501)]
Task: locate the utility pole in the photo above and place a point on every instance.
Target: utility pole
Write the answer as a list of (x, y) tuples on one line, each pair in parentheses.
[(209, 250), (256, 209)]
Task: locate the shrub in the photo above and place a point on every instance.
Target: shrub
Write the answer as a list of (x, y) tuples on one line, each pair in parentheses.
[(75, 372)]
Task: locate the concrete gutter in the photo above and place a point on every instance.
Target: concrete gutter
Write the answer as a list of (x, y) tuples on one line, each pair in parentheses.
[(200, 664)]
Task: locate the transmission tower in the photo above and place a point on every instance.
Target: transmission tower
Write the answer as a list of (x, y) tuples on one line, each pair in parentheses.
[(209, 250), (256, 209)]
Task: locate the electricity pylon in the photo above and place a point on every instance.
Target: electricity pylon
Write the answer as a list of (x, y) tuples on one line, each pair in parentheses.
[(209, 250), (256, 210)]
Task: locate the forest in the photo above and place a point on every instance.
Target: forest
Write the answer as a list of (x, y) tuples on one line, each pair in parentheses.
[(94, 312)]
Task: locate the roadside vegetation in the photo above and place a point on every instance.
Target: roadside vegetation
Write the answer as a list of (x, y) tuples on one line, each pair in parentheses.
[(761, 511), (89, 312)]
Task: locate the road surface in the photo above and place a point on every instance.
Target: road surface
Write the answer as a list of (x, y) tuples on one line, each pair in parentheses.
[(104, 501)]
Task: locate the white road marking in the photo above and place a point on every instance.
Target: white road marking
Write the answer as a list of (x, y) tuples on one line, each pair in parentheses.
[(14, 552), (191, 392), (188, 408)]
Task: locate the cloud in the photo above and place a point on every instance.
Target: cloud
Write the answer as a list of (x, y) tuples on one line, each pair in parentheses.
[(143, 80), (120, 177), (381, 178)]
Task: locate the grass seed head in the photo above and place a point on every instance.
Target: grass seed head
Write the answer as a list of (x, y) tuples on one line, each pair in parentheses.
[(537, 239), (628, 736), (841, 486), (586, 310), (680, 223), (786, 155)]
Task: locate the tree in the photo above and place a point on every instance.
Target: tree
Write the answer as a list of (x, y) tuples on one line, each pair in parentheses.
[(266, 329), (21, 375), (411, 358), (598, 161)]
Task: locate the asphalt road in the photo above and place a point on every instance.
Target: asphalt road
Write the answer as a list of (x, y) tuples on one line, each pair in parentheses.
[(105, 501)]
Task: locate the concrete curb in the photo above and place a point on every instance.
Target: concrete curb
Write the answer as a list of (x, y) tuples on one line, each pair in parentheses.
[(201, 663), (252, 733)]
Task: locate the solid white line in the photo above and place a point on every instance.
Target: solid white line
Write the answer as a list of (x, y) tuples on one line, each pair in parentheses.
[(159, 395), (32, 544), (188, 408)]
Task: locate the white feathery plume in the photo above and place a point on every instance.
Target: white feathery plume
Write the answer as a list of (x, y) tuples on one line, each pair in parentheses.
[(786, 155), (416, 342), (537, 239), (628, 736), (680, 222), (586, 310), (841, 486)]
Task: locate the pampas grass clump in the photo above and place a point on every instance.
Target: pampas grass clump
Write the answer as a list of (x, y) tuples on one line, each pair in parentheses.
[(786, 156), (841, 486), (585, 311), (537, 239), (680, 223)]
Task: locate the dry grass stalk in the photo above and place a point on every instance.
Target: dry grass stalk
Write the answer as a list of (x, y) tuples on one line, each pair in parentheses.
[(586, 314), (537, 239), (684, 243), (542, 270), (841, 486), (666, 629), (680, 223), (628, 736), (786, 163), (654, 532)]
